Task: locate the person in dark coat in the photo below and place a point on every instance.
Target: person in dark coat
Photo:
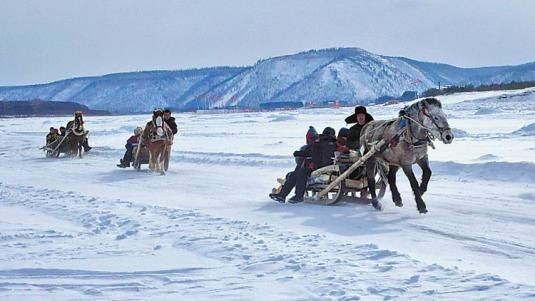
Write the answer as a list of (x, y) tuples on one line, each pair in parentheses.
[(341, 141), (52, 136), (360, 118), (130, 144), (321, 154), (291, 177), (170, 121)]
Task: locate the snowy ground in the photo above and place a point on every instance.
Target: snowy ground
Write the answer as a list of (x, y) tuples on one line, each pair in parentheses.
[(82, 229)]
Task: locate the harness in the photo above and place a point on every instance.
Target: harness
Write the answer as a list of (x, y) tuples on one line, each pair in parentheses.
[(159, 132), (412, 140), (78, 127)]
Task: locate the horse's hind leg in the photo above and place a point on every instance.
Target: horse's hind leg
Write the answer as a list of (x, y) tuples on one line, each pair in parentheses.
[(426, 173), (407, 169), (370, 175), (396, 197)]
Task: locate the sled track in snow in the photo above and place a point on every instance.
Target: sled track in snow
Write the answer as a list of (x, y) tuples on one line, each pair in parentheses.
[(250, 254)]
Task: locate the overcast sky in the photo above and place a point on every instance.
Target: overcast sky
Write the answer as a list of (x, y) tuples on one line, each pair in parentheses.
[(43, 41)]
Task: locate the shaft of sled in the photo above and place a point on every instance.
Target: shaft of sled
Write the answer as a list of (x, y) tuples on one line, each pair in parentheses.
[(351, 169)]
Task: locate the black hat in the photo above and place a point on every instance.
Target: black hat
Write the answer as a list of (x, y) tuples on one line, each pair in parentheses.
[(359, 110), (343, 132), (329, 131), (167, 111)]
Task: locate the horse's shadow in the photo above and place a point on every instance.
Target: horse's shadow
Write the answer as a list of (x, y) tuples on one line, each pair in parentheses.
[(347, 219)]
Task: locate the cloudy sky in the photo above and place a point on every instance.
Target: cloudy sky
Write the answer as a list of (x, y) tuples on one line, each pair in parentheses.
[(43, 41)]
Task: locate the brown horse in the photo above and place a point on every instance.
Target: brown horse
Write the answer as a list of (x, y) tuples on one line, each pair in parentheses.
[(407, 140), (158, 138), (76, 135), (70, 144)]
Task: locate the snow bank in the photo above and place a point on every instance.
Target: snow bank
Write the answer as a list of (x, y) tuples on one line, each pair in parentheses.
[(502, 171), (487, 157), (486, 111), (458, 133), (279, 118), (528, 130)]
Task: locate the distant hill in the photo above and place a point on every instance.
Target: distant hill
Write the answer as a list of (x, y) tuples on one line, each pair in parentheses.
[(39, 107), (349, 75)]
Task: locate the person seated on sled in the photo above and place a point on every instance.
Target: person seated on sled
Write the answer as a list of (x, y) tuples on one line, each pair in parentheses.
[(130, 144), (78, 122), (360, 118), (170, 121), (51, 136), (62, 131), (341, 141), (320, 152), (290, 178)]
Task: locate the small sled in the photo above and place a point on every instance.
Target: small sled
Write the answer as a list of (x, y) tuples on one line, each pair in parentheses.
[(344, 180)]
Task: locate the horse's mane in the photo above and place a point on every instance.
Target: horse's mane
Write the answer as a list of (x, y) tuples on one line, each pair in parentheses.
[(416, 106)]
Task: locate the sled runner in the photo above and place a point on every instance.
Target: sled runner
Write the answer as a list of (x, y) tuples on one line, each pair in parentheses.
[(345, 179), (141, 155)]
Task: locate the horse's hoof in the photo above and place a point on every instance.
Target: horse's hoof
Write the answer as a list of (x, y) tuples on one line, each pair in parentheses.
[(377, 205), (422, 210), (399, 204)]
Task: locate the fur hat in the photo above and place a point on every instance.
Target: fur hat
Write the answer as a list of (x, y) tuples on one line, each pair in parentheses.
[(138, 130), (359, 110)]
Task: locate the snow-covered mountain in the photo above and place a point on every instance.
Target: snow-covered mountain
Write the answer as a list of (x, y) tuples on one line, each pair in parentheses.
[(346, 74)]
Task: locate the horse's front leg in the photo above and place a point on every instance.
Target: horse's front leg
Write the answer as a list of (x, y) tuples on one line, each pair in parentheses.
[(407, 169), (396, 197), (370, 175), (426, 173)]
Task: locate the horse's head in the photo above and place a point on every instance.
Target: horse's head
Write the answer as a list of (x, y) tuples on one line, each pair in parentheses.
[(435, 119), (157, 120), (78, 121)]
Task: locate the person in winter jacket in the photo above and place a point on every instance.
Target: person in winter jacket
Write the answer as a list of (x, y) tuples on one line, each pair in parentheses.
[(341, 141), (321, 153), (360, 118), (291, 177), (52, 136), (170, 121), (130, 144)]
